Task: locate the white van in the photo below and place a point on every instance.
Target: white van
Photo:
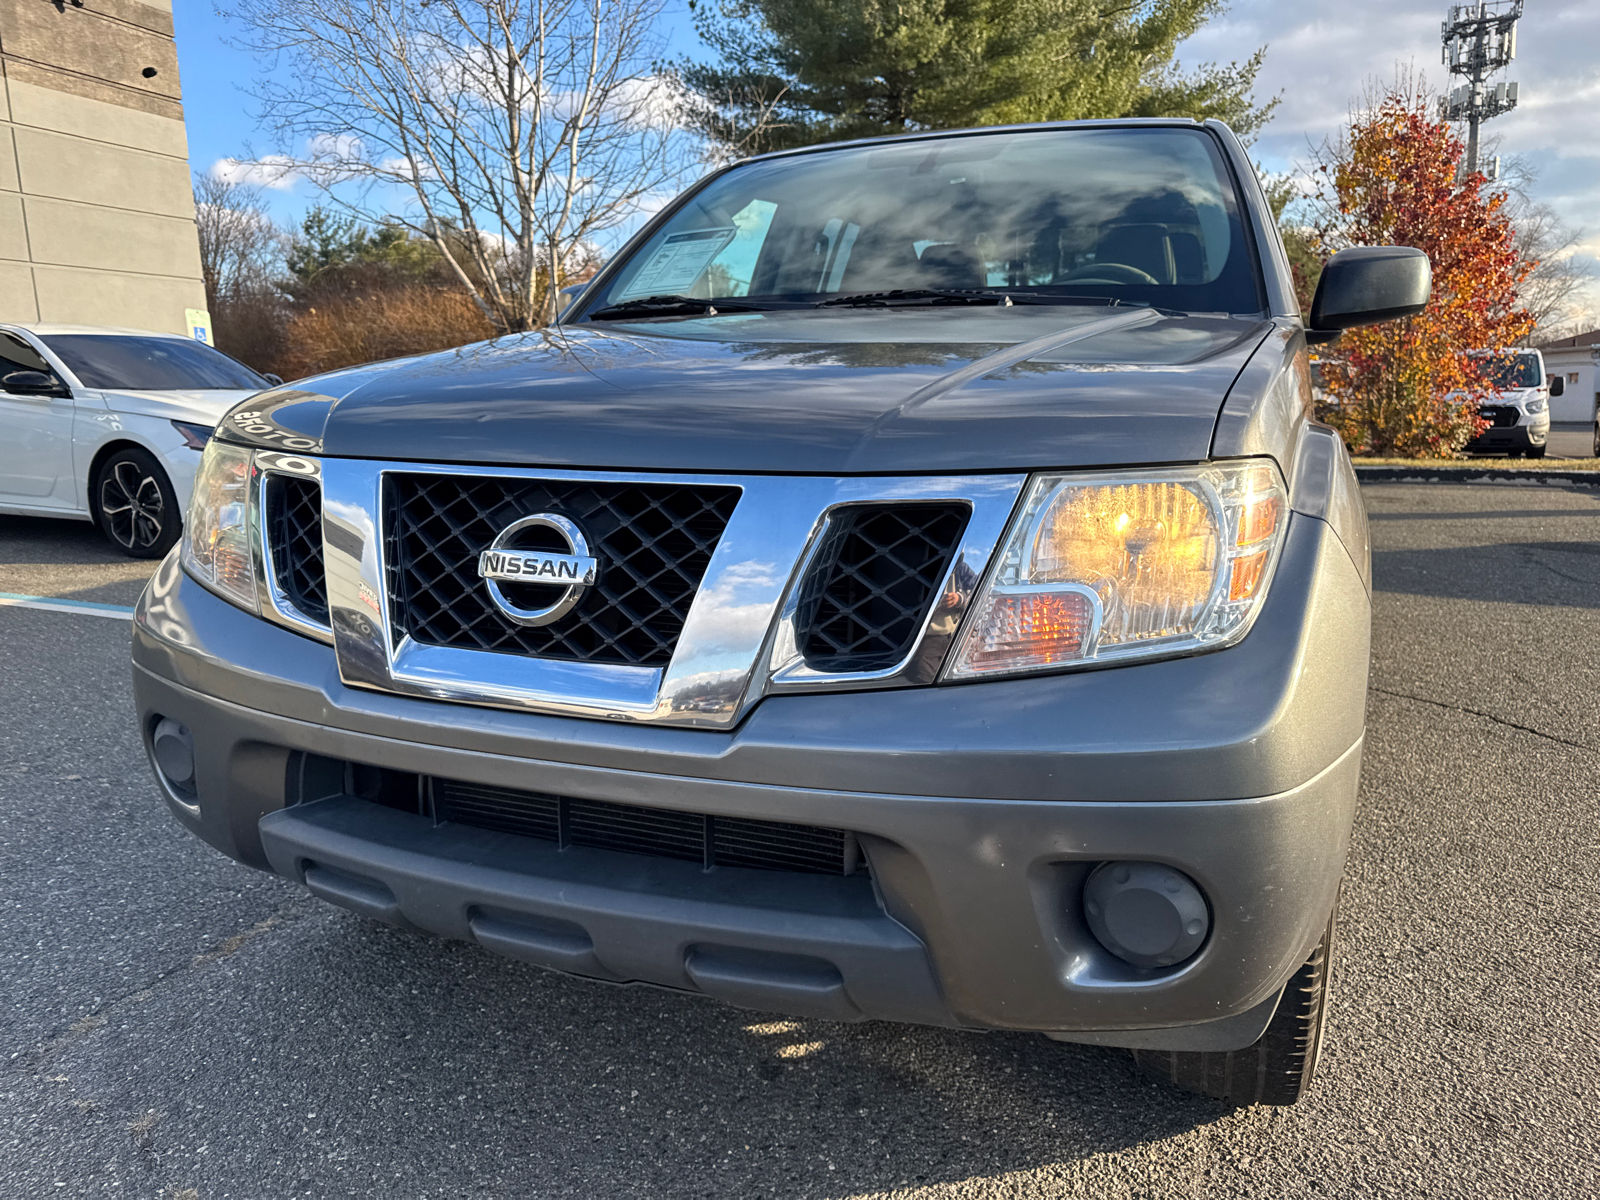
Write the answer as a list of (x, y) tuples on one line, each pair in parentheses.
[(1519, 412)]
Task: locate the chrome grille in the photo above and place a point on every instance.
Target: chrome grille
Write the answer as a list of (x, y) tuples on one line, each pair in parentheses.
[(653, 541), (293, 519), (661, 833), (867, 593)]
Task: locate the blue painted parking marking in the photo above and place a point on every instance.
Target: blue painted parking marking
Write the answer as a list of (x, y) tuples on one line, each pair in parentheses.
[(87, 608)]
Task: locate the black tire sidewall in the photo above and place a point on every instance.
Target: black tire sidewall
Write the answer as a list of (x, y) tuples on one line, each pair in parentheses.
[(172, 518)]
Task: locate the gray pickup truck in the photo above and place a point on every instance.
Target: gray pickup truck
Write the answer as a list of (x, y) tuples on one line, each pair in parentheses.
[(906, 584)]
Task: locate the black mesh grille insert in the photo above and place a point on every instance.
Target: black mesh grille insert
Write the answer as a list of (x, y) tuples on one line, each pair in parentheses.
[(662, 833), (869, 590), (294, 532), (1499, 416), (653, 543)]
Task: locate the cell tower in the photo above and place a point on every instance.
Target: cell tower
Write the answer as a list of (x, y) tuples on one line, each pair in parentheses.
[(1479, 39)]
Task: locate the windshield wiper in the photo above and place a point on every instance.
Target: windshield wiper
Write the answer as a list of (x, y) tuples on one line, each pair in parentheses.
[(935, 296), (670, 306)]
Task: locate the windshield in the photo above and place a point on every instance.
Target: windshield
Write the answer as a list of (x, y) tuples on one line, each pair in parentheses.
[(1144, 216), (1520, 371), (149, 364)]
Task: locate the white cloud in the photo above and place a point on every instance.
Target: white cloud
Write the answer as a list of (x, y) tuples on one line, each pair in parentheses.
[(335, 147), (330, 158), (654, 102), (405, 170), (276, 171)]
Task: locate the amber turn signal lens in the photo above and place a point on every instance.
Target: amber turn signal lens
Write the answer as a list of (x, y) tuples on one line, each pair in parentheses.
[(1258, 519), (1246, 577), (1031, 629)]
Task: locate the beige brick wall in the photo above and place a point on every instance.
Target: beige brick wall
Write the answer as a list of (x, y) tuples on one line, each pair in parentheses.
[(96, 212)]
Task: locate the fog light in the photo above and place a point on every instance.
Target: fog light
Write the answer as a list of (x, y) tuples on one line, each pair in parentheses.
[(173, 745), (1145, 913)]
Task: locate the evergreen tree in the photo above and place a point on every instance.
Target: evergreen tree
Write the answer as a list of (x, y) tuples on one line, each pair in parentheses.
[(333, 254), (796, 72)]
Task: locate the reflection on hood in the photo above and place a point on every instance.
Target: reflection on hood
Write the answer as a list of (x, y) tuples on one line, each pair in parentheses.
[(838, 392)]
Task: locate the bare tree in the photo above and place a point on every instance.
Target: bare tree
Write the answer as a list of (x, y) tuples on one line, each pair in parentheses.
[(519, 130), (1554, 290), (241, 256), (239, 243), (1559, 276)]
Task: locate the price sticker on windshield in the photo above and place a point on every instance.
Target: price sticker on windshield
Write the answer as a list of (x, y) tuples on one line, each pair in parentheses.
[(679, 263)]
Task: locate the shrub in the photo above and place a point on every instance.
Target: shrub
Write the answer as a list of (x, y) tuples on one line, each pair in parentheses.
[(345, 331)]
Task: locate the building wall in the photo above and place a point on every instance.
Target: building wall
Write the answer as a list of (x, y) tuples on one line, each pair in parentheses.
[(96, 211), (1574, 410)]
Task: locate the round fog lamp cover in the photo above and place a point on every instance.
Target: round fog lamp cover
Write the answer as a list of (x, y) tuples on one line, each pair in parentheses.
[(174, 751), (1145, 913)]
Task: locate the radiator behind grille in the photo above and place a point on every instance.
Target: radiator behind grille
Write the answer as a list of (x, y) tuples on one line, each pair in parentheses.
[(874, 579), (710, 840), (293, 519)]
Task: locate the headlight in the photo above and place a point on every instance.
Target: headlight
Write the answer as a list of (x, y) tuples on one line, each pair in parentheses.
[(1537, 405), (216, 537), (1132, 565)]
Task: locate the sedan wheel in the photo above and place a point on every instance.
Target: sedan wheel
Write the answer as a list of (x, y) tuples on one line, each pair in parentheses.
[(135, 505)]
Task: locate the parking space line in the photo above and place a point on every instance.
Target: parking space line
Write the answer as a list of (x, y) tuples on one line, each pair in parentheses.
[(87, 608)]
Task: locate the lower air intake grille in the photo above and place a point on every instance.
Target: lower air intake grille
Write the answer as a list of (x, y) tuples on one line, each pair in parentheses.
[(868, 593), (696, 837), (294, 532), (653, 542)]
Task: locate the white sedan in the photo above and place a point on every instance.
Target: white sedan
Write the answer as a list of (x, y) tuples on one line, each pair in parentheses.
[(107, 425)]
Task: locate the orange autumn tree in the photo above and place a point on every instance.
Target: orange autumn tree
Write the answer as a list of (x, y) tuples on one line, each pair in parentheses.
[(1411, 388)]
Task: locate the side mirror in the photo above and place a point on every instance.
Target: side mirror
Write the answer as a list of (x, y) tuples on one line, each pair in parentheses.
[(1558, 386), (33, 383), (274, 380), (568, 294), (1368, 284)]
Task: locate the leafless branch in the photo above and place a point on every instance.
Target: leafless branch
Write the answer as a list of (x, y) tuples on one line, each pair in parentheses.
[(517, 130)]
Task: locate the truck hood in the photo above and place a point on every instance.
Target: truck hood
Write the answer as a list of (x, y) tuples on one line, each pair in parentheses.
[(832, 392)]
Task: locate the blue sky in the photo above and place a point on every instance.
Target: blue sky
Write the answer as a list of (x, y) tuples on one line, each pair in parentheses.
[(219, 110), (1318, 57)]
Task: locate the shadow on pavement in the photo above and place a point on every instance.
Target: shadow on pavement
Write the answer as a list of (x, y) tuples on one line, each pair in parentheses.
[(1508, 514), (67, 560), (54, 540), (576, 1088), (1559, 574)]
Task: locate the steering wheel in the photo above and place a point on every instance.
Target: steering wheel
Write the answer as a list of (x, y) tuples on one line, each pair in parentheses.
[(1108, 272)]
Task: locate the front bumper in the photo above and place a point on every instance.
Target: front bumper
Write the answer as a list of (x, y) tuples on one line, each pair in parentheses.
[(1528, 434), (981, 808)]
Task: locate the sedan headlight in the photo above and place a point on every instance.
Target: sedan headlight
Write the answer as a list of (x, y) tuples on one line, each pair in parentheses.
[(1133, 565), (216, 536)]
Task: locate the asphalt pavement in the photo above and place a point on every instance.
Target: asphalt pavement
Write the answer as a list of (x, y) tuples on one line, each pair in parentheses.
[(174, 1025)]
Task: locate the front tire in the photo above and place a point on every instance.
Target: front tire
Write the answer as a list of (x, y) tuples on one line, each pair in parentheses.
[(1280, 1066), (1537, 451), (134, 504)]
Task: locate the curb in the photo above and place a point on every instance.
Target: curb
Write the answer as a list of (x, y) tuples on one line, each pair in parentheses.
[(1454, 474)]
